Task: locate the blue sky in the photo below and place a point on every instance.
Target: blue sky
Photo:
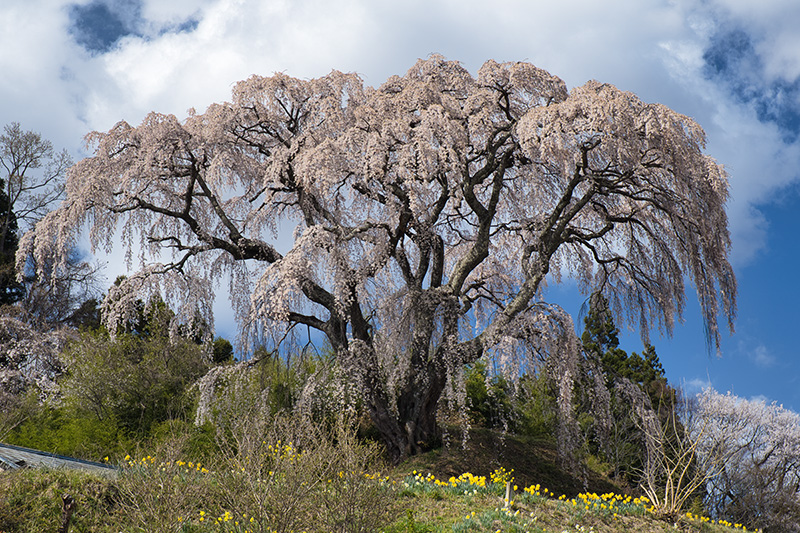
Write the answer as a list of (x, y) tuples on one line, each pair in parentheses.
[(734, 65)]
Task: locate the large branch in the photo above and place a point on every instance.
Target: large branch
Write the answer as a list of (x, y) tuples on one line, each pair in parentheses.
[(480, 249)]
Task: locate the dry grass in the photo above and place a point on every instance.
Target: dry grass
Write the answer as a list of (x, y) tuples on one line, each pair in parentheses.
[(297, 479)]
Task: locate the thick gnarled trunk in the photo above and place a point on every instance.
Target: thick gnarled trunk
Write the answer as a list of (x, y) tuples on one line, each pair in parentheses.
[(412, 428)]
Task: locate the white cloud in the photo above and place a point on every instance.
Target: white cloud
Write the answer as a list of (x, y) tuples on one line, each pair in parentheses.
[(760, 164), (759, 398), (36, 52), (774, 22), (756, 352), (761, 356), (760, 161), (652, 48), (174, 11), (695, 386)]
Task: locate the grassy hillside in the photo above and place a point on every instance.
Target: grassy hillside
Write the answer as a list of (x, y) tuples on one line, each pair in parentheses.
[(533, 461), (337, 487)]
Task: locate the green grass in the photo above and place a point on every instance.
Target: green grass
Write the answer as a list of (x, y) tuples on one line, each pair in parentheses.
[(427, 505), (30, 500)]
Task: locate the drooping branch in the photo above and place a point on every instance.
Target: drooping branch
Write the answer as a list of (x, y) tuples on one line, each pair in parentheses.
[(426, 216)]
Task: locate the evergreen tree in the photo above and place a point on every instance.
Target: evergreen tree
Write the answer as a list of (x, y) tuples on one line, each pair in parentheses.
[(600, 340), (11, 290), (623, 447)]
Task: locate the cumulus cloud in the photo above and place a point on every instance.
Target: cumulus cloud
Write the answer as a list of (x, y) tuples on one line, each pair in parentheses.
[(170, 56), (774, 23), (750, 105), (35, 61)]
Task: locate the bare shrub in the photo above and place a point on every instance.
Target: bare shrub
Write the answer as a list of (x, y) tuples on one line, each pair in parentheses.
[(289, 474), (273, 474), (677, 465), (161, 490)]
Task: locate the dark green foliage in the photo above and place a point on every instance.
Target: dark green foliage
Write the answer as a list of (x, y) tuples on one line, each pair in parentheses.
[(11, 290), (624, 447), (535, 407), (137, 380), (279, 380), (600, 340), (527, 407), (491, 406), (222, 351), (600, 335), (87, 315), (151, 320)]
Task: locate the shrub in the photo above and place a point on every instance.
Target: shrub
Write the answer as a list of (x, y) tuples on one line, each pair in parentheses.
[(16, 409), (275, 474), (65, 432), (489, 398), (139, 381), (310, 386), (536, 410)]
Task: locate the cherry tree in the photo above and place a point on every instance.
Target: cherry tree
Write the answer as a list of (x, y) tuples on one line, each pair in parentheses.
[(33, 176), (759, 482), (429, 213), (31, 183)]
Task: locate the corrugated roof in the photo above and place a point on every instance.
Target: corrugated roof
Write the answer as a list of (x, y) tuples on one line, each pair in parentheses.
[(12, 457)]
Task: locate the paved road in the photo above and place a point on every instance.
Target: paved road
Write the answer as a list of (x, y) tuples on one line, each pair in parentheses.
[(13, 457)]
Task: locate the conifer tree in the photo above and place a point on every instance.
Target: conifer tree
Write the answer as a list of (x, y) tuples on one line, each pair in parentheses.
[(11, 290), (623, 445)]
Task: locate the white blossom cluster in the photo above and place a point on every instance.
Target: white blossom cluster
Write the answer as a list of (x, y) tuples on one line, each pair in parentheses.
[(29, 359), (759, 483)]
